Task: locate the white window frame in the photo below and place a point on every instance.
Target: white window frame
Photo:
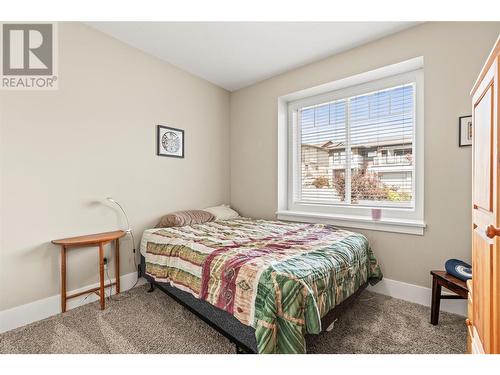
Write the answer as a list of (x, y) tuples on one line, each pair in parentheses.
[(394, 219)]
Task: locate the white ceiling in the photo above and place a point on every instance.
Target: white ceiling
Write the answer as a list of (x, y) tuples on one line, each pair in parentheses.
[(237, 54)]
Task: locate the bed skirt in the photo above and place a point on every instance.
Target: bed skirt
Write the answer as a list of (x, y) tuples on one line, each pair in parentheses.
[(241, 335)]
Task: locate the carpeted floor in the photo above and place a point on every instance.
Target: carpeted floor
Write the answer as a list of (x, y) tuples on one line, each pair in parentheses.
[(154, 323)]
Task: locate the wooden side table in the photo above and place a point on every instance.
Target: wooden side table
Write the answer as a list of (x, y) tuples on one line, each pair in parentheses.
[(98, 240), (440, 279)]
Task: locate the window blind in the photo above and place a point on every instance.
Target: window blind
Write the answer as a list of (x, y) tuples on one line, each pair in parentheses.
[(358, 150)]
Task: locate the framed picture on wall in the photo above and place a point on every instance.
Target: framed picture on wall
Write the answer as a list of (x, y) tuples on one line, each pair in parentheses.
[(465, 131), (170, 142)]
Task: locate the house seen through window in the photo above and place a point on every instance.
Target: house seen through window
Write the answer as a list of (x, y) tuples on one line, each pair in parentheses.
[(358, 150)]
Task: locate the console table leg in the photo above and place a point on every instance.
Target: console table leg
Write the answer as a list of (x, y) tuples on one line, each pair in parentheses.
[(117, 265), (63, 278), (436, 301), (101, 275)]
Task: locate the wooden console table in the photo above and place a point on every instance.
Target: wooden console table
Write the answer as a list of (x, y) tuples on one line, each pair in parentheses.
[(98, 240)]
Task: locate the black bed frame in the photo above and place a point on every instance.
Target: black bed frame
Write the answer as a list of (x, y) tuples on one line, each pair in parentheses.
[(242, 336)]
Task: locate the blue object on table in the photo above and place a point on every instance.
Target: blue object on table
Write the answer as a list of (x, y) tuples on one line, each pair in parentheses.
[(459, 269)]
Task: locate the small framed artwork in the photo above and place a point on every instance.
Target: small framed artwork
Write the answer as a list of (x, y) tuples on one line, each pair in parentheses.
[(170, 142), (465, 131)]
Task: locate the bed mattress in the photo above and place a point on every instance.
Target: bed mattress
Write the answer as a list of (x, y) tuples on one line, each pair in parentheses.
[(277, 277)]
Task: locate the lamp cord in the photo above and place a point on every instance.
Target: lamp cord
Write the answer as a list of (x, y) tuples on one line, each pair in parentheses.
[(123, 294), (134, 255), (129, 231)]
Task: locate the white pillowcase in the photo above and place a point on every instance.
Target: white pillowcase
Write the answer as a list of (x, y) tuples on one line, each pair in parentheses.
[(222, 212)]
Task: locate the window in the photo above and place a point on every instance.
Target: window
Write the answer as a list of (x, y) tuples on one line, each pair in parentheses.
[(344, 137), (353, 149)]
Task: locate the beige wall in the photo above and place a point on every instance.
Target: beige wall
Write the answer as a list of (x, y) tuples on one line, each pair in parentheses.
[(453, 55), (64, 151)]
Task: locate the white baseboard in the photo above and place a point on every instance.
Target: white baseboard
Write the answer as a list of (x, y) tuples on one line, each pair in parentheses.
[(31, 312), (418, 294)]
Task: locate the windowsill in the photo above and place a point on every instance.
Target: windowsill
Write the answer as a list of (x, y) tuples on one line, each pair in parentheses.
[(415, 227)]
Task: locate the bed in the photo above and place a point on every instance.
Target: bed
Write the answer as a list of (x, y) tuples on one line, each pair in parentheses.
[(263, 284)]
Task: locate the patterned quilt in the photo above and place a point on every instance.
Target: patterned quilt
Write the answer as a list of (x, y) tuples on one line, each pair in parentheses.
[(281, 278)]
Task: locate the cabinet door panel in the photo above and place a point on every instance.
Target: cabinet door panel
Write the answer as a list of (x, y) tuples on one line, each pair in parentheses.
[(483, 153), (481, 253)]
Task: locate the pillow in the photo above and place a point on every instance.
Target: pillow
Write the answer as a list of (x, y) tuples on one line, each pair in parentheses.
[(222, 212), (181, 218)]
